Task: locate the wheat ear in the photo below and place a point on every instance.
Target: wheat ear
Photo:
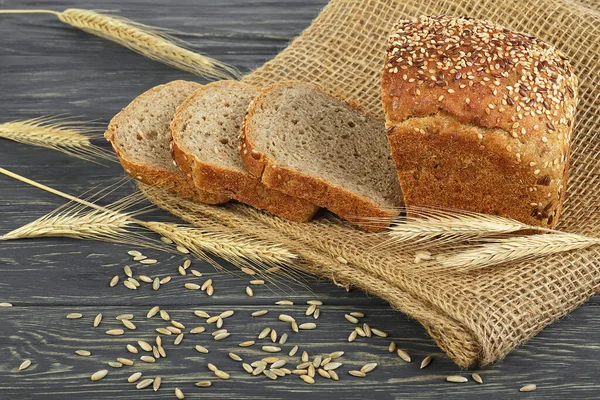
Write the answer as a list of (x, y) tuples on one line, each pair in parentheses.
[(149, 41), (504, 250), (237, 249), (58, 133), (428, 227)]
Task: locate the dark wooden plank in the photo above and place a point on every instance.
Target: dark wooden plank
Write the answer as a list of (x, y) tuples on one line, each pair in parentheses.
[(51, 68)]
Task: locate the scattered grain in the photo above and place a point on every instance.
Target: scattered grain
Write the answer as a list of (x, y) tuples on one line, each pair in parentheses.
[(113, 282), (270, 374), (97, 320), (528, 388), (96, 376), (351, 318), (403, 355), (283, 338), (179, 394), (148, 359), (293, 351), (332, 365), (145, 345), (271, 349), (284, 303), (378, 332), (132, 349), (426, 361), (249, 291), (307, 379), (74, 316), (24, 365), (115, 332), (192, 286), (352, 336), (477, 378), (247, 343), (201, 314), (456, 379), (156, 384), (128, 324), (182, 250), (308, 326), (178, 339), (148, 261), (358, 374), (125, 361), (134, 377), (165, 315), (247, 368), (203, 384), (153, 311), (128, 271), (144, 383), (201, 349)]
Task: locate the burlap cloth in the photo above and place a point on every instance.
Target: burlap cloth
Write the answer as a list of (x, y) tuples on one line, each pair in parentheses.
[(476, 318)]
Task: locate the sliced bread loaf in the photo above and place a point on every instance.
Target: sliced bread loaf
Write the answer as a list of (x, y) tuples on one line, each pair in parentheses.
[(306, 143), (139, 134), (205, 140)]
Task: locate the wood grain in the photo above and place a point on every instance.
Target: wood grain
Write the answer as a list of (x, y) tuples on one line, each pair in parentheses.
[(51, 68)]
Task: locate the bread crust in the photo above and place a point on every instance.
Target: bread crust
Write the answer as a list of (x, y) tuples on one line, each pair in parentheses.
[(237, 185), (342, 202), (172, 181), (507, 112)]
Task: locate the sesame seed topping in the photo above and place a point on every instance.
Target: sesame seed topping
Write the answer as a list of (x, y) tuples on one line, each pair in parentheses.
[(444, 54)]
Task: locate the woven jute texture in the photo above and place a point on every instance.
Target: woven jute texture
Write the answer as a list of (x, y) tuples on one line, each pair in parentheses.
[(476, 318)]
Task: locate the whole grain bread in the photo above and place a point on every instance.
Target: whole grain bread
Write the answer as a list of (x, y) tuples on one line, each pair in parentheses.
[(139, 134), (309, 144), (205, 141), (479, 118)]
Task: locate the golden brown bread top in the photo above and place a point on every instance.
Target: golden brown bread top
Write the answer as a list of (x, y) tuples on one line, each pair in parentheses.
[(482, 74)]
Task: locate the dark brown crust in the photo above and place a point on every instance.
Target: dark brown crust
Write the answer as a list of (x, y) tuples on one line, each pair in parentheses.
[(240, 186), (342, 202), (174, 182), (513, 132)]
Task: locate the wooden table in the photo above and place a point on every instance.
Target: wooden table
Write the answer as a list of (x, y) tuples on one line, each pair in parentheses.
[(51, 68)]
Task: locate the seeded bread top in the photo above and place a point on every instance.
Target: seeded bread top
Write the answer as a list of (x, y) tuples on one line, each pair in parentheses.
[(208, 123), (488, 76), (141, 130), (482, 73)]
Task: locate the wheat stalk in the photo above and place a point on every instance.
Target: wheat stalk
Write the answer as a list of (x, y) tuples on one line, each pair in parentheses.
[(110, 223), (428, 227), (234, 248), (63, 134), (151, 42), (499, 251)]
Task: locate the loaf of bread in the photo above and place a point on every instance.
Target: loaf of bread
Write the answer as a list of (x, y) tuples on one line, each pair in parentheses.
[(478, 118), (205, 135), (309, 144), (139, 134)]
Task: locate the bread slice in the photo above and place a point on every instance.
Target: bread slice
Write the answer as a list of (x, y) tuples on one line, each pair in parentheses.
[(139, 134), (306, 143), (205, 140)]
